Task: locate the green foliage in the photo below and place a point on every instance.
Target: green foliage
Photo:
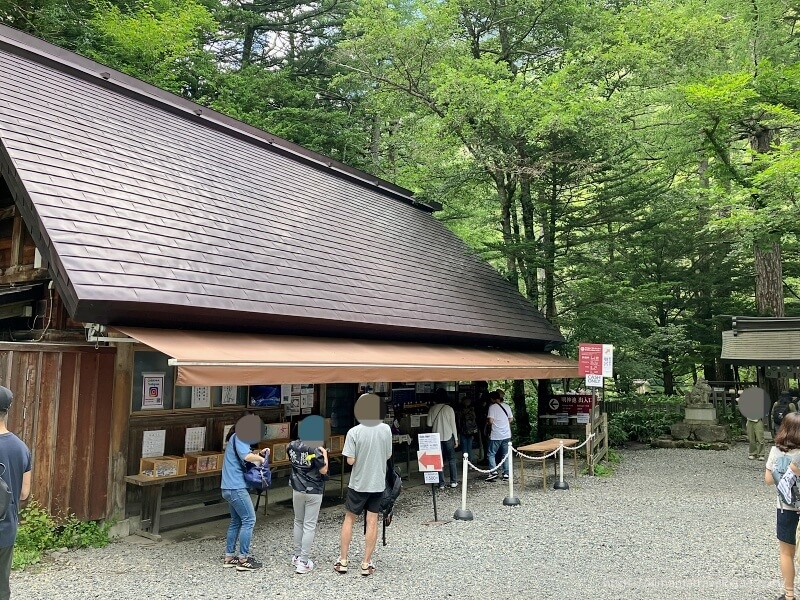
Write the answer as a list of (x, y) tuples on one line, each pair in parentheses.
[(652, 418), (601, 470), (39, 532)]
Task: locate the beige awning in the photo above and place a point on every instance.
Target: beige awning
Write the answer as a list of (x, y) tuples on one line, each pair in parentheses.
[(219, 358)]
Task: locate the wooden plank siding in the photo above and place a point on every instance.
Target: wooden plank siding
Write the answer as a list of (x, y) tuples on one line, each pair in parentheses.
[(62, 410)]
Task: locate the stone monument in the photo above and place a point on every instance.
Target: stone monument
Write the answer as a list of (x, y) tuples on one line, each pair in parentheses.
[(699, 428)]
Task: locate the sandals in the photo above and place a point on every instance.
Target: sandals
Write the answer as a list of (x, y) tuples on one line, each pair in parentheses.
[(367, 569), (340, 566)]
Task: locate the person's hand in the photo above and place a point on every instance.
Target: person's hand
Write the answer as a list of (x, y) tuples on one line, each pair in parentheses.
[(264, 452), (322, 450)]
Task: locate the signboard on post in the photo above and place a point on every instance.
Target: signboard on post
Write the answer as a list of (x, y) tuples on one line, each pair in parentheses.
[(590, 359), (429, 455)]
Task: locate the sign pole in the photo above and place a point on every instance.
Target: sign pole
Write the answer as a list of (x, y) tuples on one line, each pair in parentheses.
[(433, 491)]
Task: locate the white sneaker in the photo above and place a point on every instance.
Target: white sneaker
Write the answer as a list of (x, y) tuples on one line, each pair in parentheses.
[(304, 567), (453, 484), (295, 560)]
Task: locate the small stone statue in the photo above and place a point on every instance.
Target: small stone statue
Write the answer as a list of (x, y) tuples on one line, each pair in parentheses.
[(699, 394)]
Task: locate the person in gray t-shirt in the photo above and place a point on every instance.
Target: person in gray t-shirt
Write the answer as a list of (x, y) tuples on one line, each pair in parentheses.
[(367, 447)]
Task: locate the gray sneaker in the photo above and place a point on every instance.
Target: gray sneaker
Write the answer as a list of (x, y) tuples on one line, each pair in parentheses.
[(304, 567), (250, 564)]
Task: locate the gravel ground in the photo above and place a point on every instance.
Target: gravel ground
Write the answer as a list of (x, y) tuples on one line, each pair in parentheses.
[(686, 524)]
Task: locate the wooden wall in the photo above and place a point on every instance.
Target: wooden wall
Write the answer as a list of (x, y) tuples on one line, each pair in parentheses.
[(63, 410)]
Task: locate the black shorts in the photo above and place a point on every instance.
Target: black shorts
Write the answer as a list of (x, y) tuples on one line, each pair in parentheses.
[(787, 526), (357, 501)]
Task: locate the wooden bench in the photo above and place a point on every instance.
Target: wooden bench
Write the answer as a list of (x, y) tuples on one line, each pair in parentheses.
[(543, 448), (155, 515)]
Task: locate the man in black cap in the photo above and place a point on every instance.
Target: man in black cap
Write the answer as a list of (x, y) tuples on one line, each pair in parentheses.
[(16, 458)]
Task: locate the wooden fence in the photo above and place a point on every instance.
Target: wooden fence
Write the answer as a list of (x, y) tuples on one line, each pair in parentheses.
[(597, 447)]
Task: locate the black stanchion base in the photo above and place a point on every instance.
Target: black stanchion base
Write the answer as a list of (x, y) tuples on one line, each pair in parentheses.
[(560, 485), (463, 515), (510, 501)]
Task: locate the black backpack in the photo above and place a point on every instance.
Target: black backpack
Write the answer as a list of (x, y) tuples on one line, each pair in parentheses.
[(5, 494), (394, 485), (783, 407)]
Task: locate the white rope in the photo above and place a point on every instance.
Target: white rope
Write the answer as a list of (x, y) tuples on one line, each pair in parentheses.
[(554, 451), (500, 464), (536, 457)]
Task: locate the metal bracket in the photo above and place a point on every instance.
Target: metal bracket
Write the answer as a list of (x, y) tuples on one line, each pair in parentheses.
[(96, 333)]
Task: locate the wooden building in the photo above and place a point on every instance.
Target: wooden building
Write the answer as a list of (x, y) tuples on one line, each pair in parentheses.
[(141, 232)]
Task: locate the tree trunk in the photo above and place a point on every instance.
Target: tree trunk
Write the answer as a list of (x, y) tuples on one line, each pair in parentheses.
[(666, 373), (529, 272), (549, 248), (769, 279), (521, 416), (543, 393), (247, 45), (505, 195)]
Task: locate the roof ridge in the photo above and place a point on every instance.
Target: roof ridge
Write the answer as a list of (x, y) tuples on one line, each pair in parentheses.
[(28, 46)]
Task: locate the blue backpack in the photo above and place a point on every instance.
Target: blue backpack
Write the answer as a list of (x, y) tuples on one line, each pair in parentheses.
[(257, 478)]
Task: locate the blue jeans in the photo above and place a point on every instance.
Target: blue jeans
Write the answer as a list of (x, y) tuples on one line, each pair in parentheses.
[(466, 446), (243, 520), (449, 458), (502, 447)]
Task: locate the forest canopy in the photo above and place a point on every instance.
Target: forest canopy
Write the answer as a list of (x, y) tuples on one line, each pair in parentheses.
[(632, 166)]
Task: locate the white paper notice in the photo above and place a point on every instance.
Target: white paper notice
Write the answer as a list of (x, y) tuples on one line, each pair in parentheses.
[(229, 394), (153, 443), (153, 391), (431, 476), (195, 439), (286, 393), (562, 418), (201, 397), (306, 401), (583, 418), (429, 442), (414, 420), (225, 435)]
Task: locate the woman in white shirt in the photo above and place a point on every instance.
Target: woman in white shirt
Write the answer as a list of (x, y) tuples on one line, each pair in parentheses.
[(787, 444)]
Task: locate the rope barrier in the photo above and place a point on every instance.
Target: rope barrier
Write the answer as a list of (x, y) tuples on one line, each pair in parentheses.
[(554, 452), (500, 464)]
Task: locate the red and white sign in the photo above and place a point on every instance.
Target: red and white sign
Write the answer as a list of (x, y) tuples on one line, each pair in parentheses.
[(590, 359), (596, 359), (429, 455), (570, 404)]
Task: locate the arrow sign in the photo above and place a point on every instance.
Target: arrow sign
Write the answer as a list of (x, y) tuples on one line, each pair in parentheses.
[(554, 404), (428, 461)]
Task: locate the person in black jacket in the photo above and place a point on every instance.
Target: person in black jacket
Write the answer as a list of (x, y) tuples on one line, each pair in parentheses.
[(309, 460)]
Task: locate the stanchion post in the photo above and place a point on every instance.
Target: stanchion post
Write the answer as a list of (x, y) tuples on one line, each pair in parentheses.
[(561, 484), (510, 500), (462, 514)]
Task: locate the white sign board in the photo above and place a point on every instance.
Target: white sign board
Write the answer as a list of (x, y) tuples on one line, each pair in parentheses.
[(195, 439), (429, 455), (608, 360), (153, 443), (431, 476), (594, 381)]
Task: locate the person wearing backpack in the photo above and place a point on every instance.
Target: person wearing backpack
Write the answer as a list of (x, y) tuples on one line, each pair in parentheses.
[(309, 461), (236, 493), (15, 458), (786, 448), (499, 418), (786, 403), (468, 426)]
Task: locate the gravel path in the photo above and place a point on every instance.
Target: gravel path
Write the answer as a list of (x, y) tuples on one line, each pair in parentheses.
[(684, 524)]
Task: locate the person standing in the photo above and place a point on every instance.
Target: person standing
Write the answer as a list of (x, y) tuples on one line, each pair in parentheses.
[(16, 458), (367, 447), (787, 443), (468, 426), (442, 420), (236, 494), (309, 460), (499, 418)]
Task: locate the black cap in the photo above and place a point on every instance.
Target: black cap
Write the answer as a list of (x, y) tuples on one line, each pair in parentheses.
[(5, 398)]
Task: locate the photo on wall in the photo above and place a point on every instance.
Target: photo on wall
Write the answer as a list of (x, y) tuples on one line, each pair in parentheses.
[(265, 395)]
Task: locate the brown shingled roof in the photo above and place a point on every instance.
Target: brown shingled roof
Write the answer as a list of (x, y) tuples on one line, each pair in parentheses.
[(151, 214)]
